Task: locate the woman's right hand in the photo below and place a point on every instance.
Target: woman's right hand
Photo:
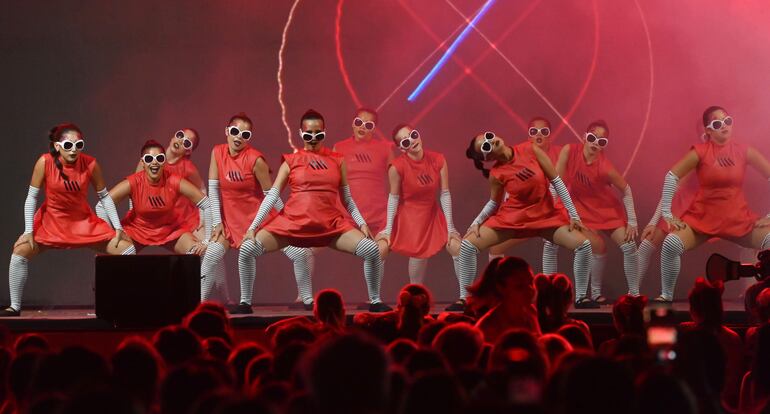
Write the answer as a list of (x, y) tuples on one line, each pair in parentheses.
[(674, 224), (648, 232), (26, 238), (383, 236), (217, 231), (474, 229), (250, 235)]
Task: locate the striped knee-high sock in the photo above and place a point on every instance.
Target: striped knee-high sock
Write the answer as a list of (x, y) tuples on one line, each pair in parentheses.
[(214, 254), (550, 257), (417, 269), (456, 265), (304, 261), (466, 267), (597, 273), (670, 264), (18, 271), (631, 266), (765, 242), (643, 255), (247, 267), (129, 251), (581, 266), (370, 252)]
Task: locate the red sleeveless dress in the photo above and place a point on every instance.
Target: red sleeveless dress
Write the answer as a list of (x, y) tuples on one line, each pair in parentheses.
[(720, 208), (529, 207), (419, 228), (239, 191), (592, 192), (312, 216), (367, 168), (186, 209), (154, 220), (65, 220)]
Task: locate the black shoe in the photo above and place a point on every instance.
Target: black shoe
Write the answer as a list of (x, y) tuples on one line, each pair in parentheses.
[(458, 306), (379, 307), (586, 303), (601, 300), (662, 301), (242, 308), (308, 306), (9, 312)]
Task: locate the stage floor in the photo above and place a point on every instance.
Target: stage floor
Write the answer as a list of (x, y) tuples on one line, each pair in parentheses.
[(73, 319)]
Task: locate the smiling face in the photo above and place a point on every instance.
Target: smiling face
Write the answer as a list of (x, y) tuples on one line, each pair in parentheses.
[(313, 126), (542, 136), (365, 119), (599, 132), (176, 146), (154, 168), (724, 131), (410, 137), (237, 143), (72, 140)]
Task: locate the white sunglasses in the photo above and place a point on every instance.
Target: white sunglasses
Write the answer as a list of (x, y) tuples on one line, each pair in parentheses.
[(149, 158), (234, 131), (308, 136), (486, 146), (600, 141), (408, 141), (186, 142), (716, 124), (369, 125), (544, 131), (68, 145)]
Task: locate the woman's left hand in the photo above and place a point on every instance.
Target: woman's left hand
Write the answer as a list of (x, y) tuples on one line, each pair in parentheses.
[(631, 233), (576, 224), (366, 231), (199, 248)]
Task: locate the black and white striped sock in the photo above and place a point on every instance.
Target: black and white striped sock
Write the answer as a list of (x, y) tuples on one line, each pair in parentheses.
[(417, 269), (129, 251), (466, 267), (18, 271), (765, 242), (370, 252), (303, 260), (247, 267), (670, 264), (631, 266), (597, 273), (215, 253), (644, 254), (550, 257), (581, 266)]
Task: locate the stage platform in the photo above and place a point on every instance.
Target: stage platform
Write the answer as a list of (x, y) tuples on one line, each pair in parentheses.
[(84, 319)]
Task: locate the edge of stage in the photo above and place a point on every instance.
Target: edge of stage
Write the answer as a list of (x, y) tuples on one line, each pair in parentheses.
[(84, 319)]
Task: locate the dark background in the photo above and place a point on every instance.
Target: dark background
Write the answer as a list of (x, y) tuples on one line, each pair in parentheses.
[(129, 71)]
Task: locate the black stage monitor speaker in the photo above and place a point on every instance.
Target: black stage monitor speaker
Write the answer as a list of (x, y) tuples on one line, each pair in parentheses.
[(146, 290)]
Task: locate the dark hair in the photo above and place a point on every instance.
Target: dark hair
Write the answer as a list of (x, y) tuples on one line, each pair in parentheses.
[(369, 111), (398, 128), (485, 291), (151, 143), (54, 135), (599, 123), (760, 367), (414, 303), (539, 118), (240, 115), (312, 114), (460, 345), (554, 296), (329, 308), (706, 302), (477, 158), (628, 314), (710, 110)]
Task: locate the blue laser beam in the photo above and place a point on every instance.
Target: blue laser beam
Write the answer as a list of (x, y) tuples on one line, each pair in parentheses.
[(441, 62)]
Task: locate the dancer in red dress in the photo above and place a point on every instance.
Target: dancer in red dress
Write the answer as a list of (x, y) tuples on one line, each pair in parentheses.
[(239, 179), (311, 216), (539, 132), (590, 175), (523, 172), (64, 220), (367, 160), (417, 226), (719, 208)]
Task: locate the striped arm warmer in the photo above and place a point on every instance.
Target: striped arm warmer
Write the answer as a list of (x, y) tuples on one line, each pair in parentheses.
[(561, 190), (669, 188), (109, 207), (30, 205), (351, 205), (216, 206), (391, 213), (204, 205), (487, 211), (628, 203), (655, 217), (278, 204), (446, 206), (264, 208)]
